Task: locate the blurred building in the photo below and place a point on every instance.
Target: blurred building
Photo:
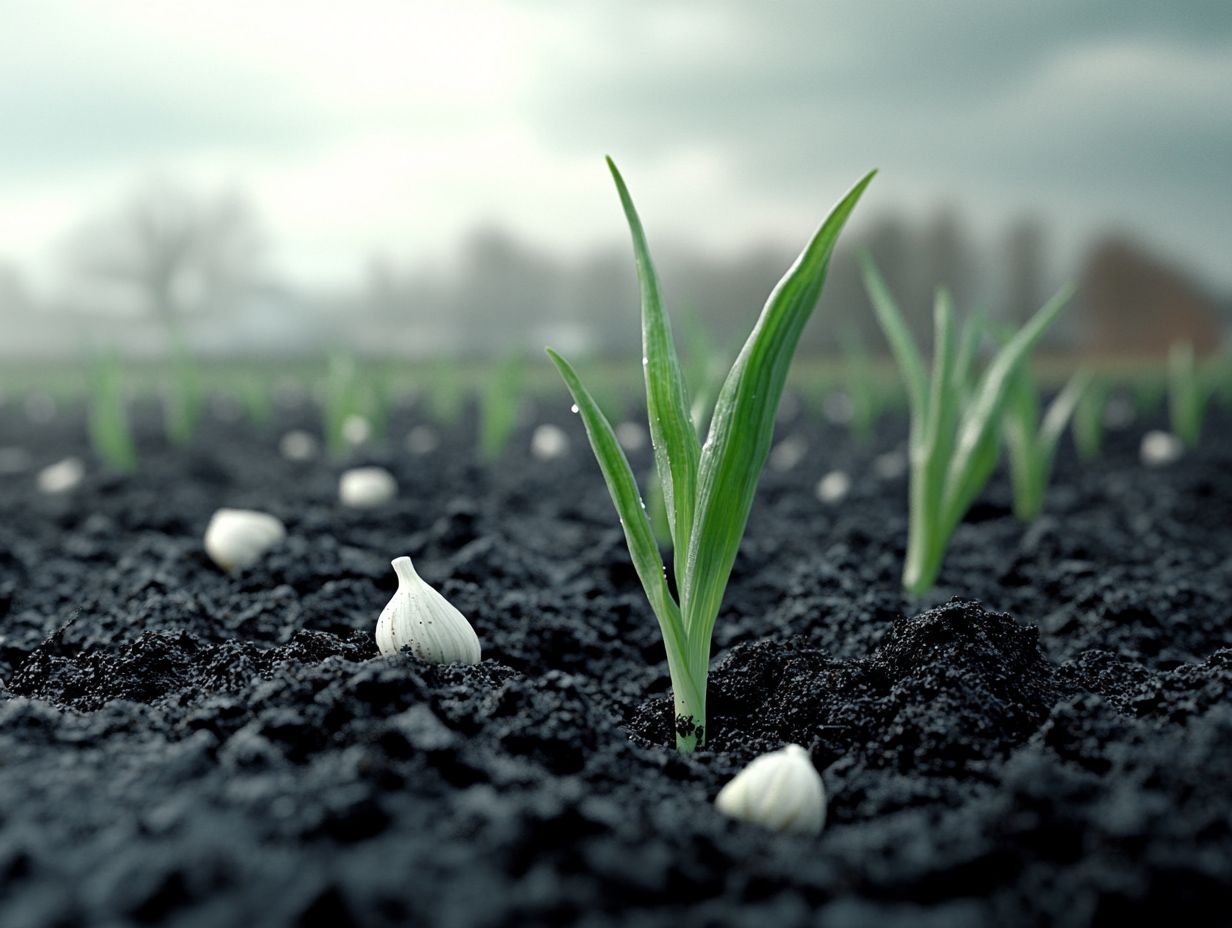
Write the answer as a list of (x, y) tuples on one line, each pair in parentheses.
[(1135, 305)]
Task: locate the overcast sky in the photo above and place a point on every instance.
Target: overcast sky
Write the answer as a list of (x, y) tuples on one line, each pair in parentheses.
[(396, 127)]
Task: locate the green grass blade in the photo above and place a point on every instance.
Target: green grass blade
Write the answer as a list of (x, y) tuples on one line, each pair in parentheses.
[(672, 433), (628, 501), (742, 429), (1061, 410), (902, 344), (1020, 419), (500, 404), (1089, 420), (978, 432), (110, 432), (968, 353)]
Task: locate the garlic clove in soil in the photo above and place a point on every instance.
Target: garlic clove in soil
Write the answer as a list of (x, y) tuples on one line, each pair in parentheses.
[(833, 487), (356, 430), (788, 453), (548, 442), (781, 791), (366, 487), (238, 538), (632, 436), (61, 477), (1159, 449), (421, 617), (298, 445), (891, 465)]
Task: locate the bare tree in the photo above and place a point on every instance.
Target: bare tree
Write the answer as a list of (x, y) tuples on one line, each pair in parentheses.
[(172, 251)]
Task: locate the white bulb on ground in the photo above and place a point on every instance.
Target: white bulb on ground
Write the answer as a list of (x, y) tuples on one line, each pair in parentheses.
[(238, 538), (833, 487), (61, 477), (632, 436), (781, 791), (366, 487), (298, 445), (891, 465), (788, 453), (421, 618), (548, 442), (1158, 449), (356, 430)]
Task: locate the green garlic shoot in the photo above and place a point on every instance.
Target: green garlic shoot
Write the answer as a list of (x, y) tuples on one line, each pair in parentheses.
[(955, 417), (708, 487), (1032, 442), (1188, 393)]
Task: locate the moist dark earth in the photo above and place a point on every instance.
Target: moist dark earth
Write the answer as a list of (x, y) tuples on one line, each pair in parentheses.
[(1044, 740)]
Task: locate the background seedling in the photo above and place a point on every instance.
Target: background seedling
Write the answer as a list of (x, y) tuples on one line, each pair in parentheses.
[(1032, 443), (499, 405), (954, 428), (184, 398), (110, 434), (1089, 419), (1188, 393), (707, 488), (445, 393), (863, 388), (341, 401)]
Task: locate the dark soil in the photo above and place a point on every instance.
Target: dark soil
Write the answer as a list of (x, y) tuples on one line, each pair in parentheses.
[(1046, 740)]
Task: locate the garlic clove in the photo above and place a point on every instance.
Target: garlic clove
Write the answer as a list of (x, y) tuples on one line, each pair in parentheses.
[(356, 430), (781, 791), (632, 436), (548, 442), (238, 538), (61, 477), (298, 445), (891, 465), (1159, 449), (425, 620), (834, 487), (367, 487)]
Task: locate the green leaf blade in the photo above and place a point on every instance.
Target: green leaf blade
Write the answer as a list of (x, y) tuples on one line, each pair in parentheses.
[(902, 344), (978, 432), (622, 486), (742, 428), (672, 432)]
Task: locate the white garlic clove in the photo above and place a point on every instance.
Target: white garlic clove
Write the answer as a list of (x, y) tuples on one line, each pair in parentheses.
[(61, 477), (632, 436), (891, 465), (298, 445), (367, 487), (788, 453), (548, 442), (425, 620), (834, 487), (781, 791), (1159, 449), (238, 538), (356, 430)]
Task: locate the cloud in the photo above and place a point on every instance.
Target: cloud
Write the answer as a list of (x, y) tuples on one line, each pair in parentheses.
[(401, 123)]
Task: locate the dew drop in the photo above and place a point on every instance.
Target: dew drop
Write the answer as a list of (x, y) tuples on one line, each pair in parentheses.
[(573, 408)]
